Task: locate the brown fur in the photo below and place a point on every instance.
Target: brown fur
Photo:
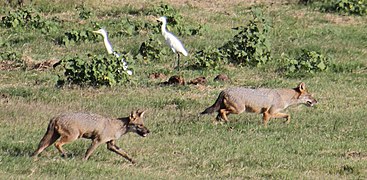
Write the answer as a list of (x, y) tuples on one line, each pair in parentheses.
[(269, 102), (71, 126)]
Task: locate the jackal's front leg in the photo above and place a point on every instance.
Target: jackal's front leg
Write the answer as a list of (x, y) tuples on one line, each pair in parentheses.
[(91, 148), (112, 147), (282, 115), (266, 117)]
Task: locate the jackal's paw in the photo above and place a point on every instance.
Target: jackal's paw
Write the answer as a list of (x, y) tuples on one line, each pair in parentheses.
[(133, 161), (216, 122), (67, 155), (219, 122), (35, 158)]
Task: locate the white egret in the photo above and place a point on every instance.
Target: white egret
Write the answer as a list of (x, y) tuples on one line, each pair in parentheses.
[(174, 43), (109, 49)]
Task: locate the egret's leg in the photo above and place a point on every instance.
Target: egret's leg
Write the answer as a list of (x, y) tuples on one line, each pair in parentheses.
[(178, 61)]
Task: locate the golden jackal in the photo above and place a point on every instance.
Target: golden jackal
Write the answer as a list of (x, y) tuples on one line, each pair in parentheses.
[(99, 129), (269, 102)]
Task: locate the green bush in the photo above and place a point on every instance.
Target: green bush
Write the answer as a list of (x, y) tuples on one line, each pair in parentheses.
[(151, 50), (127, 27), (166, 10), (26, 18), (357, 7), (94, 71), (12, 59), (132, 27), (77, 36), (20, 17), (175, 22), (84, 12), (4, 42), (251, 45), (209, 58), (306, 62), (9, 56), (349, 7)]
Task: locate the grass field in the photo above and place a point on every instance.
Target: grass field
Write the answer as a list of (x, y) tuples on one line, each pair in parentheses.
[(327, 141)]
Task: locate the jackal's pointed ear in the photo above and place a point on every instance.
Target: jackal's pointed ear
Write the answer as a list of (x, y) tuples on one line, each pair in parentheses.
[(141, 113), (136, 114), (301, 87), (132, 115)]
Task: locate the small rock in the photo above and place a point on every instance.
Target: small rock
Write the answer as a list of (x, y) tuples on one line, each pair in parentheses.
[(199, 80), (175, 80), (221, 77)]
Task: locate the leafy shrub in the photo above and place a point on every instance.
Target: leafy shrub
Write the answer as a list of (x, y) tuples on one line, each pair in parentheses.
[(174, 20), (4, 43), (12, 60), (131, 27), (84, 13), (355, 7), (9, 56), (172, 15), (209, 58), (77, 36), (251, 45), (307, 62), (26, 18), (189, 30), (95, 71), (20, 17), (128, 28), (151, 49)]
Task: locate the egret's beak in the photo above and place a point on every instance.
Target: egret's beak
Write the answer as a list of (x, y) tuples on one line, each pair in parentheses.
[(96, 32), (158, 20)]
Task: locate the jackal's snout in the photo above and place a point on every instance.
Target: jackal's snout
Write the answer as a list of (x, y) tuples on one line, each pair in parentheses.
[(311, 101), (142, 131)]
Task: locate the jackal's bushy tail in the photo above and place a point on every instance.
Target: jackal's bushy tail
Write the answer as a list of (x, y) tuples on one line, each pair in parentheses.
[(49, 138), (215, 106)]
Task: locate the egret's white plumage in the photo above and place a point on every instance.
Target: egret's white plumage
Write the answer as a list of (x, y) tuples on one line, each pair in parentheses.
[(109, 48), (174, 43)]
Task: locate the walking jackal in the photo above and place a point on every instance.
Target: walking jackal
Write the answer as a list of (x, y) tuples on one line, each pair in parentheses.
[(269, 102), (71, 126)]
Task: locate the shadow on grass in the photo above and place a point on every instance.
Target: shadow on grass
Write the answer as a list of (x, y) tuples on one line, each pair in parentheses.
[(16, 150)]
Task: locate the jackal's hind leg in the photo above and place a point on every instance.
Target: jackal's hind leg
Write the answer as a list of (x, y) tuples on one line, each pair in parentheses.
[(223, 114), (219, 117), (64, 140), (46, 141)]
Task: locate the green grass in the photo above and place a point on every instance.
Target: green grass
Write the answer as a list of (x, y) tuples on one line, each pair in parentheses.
[(182, 145)]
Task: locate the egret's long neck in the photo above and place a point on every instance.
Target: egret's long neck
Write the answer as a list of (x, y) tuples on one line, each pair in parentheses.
[(107, 44), (163, 28)]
